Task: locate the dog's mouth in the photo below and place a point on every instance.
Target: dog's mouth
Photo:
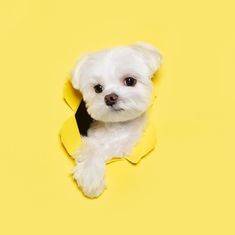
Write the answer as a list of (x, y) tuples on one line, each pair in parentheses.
[(116, 109)]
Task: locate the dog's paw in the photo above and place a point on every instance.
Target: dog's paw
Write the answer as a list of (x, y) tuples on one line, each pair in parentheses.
[(90, 178)]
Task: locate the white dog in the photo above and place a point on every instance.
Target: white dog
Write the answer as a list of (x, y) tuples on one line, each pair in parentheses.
[(116, 87)]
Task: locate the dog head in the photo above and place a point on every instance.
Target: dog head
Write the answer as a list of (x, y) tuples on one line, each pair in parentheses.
[(116, 83)]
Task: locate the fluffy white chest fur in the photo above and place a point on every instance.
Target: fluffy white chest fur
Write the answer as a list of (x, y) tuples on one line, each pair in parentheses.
[(115, 139), (116, 87)]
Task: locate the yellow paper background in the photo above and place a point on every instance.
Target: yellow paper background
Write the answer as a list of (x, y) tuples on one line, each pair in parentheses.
[(186, 186)]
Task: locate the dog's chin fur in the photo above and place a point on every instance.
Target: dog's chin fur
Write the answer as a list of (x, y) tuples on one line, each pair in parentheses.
[(118, 127)]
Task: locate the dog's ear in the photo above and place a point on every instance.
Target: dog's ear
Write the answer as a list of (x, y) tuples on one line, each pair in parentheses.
[(151, 55), (77, 71)]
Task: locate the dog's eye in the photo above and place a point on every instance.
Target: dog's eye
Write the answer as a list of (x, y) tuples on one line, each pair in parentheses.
[(98, 88), (130, 81)]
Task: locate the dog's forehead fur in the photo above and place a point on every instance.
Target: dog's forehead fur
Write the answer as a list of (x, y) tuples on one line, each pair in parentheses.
[(112, 64)]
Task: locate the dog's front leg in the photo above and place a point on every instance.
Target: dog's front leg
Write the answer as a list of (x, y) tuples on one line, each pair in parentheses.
[(89, 171)]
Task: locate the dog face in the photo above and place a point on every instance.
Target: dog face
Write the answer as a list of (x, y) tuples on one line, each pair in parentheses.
[(116, 83)]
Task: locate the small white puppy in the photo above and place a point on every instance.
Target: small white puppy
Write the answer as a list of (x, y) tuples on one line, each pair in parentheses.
[(116, 87)]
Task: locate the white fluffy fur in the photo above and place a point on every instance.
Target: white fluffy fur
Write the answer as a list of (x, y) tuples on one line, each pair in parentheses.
[(113, 133)]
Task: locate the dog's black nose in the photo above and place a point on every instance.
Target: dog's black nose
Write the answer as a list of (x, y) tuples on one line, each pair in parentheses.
[(111, 99)]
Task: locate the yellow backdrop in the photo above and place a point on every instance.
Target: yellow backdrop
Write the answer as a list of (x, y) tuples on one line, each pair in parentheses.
[(186, 186)]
